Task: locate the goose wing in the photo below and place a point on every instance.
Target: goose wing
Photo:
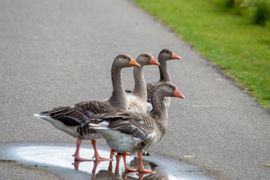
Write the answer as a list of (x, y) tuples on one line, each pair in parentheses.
[(70, 116), (134, 124), (96, 107)]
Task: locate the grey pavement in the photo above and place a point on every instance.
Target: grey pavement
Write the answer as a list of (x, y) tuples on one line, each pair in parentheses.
[(13, 171), (59, 52)]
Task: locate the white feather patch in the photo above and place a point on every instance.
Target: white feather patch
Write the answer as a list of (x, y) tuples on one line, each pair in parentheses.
[(104, 123), (39, 116), (97, 126)]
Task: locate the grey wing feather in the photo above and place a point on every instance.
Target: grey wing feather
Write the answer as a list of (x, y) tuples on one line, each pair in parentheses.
[(79, 114), (96, 107), (70, 116), (137, 125)]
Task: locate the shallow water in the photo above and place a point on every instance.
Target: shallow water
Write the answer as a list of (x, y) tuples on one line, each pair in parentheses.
[(58, 159)]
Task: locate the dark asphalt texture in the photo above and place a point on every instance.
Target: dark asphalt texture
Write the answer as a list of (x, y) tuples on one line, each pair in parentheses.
[(59, 52)]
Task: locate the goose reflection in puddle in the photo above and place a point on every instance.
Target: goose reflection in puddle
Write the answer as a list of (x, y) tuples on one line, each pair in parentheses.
[(116, 174), (58, 159)]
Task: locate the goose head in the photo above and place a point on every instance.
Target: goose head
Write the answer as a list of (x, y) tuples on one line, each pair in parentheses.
[(168, 89), (166, 54), (123, 61), (147, 59)]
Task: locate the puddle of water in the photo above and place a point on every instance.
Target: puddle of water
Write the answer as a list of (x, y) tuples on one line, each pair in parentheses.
[(59, 160)]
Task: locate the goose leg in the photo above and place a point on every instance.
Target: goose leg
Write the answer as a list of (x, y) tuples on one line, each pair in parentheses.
[(77, 152), (95, 167), (118, 158), (141, 168), (76, 164), (111, 157), (96, 154), (127, 169)]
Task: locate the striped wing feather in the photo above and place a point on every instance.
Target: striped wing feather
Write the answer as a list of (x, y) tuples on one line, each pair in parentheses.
[(80, 113), (69, 116), (96, 107), (134, 124)]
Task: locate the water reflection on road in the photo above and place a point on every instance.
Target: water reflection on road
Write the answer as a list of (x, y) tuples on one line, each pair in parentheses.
[(58, 158)]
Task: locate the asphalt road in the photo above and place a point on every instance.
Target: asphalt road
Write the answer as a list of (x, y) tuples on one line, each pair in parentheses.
[(59, 52)]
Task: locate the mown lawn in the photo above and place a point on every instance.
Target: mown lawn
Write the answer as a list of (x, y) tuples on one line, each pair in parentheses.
[(239, 48)]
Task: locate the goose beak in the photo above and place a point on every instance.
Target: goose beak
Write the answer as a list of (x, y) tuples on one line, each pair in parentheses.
[(154, 61), (133, 62), (175, 56), (178, 93)]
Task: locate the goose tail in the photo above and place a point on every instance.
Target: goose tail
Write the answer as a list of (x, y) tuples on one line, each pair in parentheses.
[(43, 115)]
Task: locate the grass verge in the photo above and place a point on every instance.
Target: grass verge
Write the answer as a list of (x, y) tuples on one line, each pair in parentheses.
[(240, 49)]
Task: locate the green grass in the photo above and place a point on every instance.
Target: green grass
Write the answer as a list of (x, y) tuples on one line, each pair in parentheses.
[(257, 11), (240, 49)]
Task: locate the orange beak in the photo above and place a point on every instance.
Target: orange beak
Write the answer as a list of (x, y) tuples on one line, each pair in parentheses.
[(133, 62), (175, 56), (178, 93), (154, 61)]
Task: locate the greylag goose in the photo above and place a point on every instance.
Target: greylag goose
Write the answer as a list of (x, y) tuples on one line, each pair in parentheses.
[(163, 57), (132, 131), (137, 99), (68, 118)]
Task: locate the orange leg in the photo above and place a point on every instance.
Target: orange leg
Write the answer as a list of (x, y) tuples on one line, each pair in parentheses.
[(77, 152), (118, 158), (96, 154), (95, 167), (141, 168), (111, 157), (76, 164), (127, 169)]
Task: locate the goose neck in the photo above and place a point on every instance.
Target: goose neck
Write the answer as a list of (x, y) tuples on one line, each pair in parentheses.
[(164, 75), (140, 86), (159, 112), (118, 98), (159, 108)]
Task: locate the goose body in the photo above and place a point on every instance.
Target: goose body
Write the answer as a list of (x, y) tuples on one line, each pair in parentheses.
[(132, 131), (70, 118), (127, 132)]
